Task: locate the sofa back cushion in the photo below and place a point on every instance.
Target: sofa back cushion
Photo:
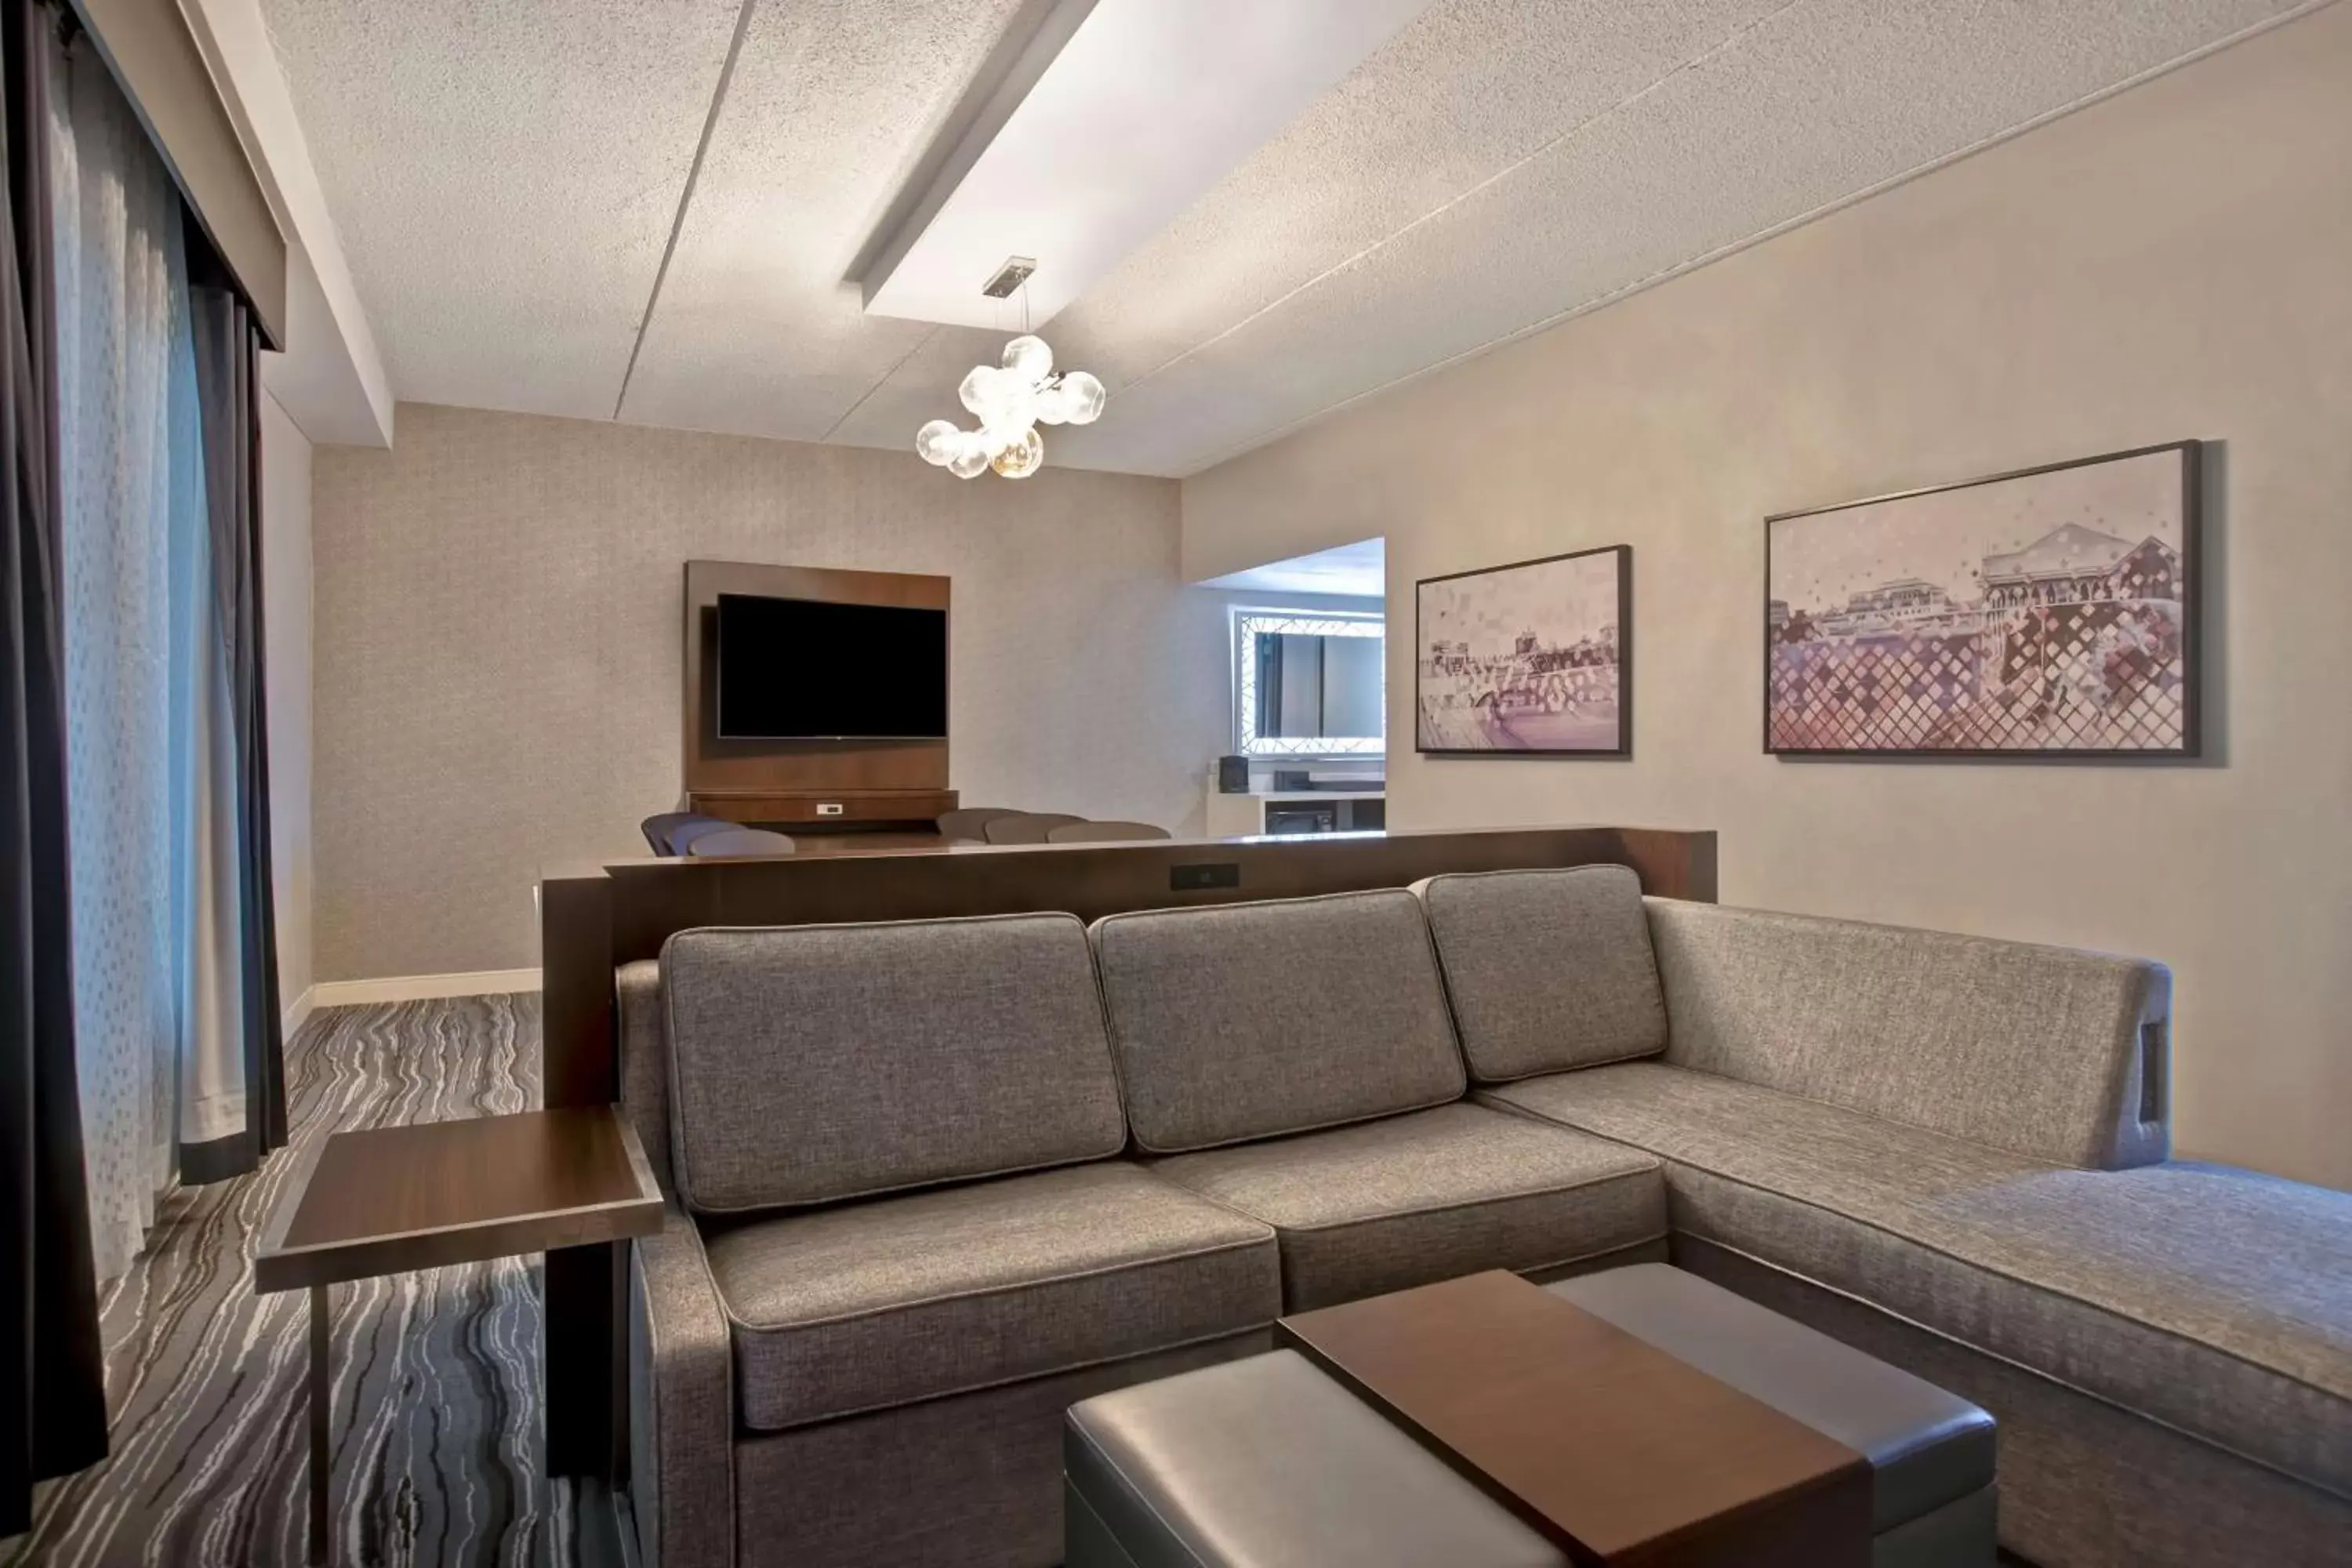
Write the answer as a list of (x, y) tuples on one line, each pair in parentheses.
[(1248, 1020), (2044, 1051), (1548, 970), (813, 1063)]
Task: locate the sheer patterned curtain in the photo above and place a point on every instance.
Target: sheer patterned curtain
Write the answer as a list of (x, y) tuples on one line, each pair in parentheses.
[(150, 759)]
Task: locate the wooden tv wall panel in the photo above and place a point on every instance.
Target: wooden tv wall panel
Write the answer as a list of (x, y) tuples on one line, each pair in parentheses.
[(865, 782)]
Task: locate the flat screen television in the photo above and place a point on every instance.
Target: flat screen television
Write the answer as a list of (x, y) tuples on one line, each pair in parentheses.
[(800, 669)]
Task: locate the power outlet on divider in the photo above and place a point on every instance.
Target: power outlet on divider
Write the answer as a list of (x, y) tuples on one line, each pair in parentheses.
[(1195, 878)]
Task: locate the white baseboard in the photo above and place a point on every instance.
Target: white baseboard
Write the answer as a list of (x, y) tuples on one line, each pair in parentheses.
[(298, 1013), (416, 988)]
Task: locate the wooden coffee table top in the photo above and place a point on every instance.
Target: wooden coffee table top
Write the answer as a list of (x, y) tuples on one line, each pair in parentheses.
[(380, 1200), (1611, 1447)]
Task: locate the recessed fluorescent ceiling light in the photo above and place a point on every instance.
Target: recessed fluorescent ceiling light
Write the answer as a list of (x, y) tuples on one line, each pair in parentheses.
[(1117, 116)]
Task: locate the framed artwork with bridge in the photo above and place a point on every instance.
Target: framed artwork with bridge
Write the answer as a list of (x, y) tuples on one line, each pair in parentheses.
[(1535, 659), (2050, 612)]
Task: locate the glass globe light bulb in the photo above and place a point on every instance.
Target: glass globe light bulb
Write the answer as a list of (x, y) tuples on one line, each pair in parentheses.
[(1022, 459), (1019, 461), (1011, 405), (1029, 358), (971, 456), (979, 391), (938, 443), (1082, 398)]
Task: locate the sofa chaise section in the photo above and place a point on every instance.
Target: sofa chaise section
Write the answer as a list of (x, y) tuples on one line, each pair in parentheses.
[(2202, 1298), (1965, 1140), (899, 1225), (1296, 1062)]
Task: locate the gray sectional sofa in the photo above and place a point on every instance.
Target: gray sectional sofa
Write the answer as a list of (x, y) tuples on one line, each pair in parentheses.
[(934, 1182)]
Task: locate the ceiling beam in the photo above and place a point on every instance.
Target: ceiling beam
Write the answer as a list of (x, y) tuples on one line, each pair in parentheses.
[(1112, 118)]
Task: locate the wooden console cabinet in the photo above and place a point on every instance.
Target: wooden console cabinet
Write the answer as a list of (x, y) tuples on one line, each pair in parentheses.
[(805, 784)]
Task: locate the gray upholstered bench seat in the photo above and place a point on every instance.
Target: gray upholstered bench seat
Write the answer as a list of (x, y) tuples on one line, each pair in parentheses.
[(1930, 1452), (875, 1304), (1406, 1199), (2203, 1297), (1267, 1460)]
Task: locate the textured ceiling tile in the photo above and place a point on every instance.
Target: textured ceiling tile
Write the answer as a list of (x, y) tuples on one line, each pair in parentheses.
[(1467, 89), (503, 174), (1828, 99), (758, 330), (923, 388)]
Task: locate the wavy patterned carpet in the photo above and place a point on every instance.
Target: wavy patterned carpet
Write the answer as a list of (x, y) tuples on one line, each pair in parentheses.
[(436, 1428)]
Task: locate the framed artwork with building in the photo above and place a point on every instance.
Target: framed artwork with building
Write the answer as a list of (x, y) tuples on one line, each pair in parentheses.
[(2048, 612), (1535, 659)]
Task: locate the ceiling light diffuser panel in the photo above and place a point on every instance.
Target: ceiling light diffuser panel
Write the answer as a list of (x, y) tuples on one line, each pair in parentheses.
[(1119, 115)]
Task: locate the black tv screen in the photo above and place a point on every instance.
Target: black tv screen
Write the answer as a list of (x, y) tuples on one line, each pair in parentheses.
[(798, 669)]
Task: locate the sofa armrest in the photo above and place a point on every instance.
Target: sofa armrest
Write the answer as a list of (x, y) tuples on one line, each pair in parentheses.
[(644, 1060), (2043, 1051), (681, 1404)]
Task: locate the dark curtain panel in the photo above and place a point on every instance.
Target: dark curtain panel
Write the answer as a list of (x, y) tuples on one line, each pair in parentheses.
[(52, 1377), (228, 389), (265, 1067)]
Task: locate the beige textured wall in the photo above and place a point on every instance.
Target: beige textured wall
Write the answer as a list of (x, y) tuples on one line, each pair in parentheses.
[(499, 645), (2176, 262), (286, 622)]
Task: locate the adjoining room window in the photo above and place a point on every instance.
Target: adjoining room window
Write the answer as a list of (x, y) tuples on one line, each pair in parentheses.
[(1309, 684)]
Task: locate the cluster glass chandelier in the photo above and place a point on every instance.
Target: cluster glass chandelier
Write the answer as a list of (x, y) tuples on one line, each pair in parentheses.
[(1011, 400)]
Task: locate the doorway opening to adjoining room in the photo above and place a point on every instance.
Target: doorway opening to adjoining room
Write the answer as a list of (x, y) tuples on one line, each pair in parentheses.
[(1308, 649)]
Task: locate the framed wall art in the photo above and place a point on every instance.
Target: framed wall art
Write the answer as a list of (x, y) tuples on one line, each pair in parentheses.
[(1532, 658), (2050, 612)]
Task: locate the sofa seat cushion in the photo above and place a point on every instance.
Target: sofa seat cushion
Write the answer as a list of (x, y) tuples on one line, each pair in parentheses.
[(1386, 1204), (1240, 1021), (2211, 1300), (898, 1299)]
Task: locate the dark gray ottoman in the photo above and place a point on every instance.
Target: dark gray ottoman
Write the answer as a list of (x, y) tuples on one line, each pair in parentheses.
[(1268, 1461)]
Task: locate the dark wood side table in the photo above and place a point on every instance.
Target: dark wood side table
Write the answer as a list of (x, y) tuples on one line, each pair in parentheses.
[(1610, 1446), (383, 1200)]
